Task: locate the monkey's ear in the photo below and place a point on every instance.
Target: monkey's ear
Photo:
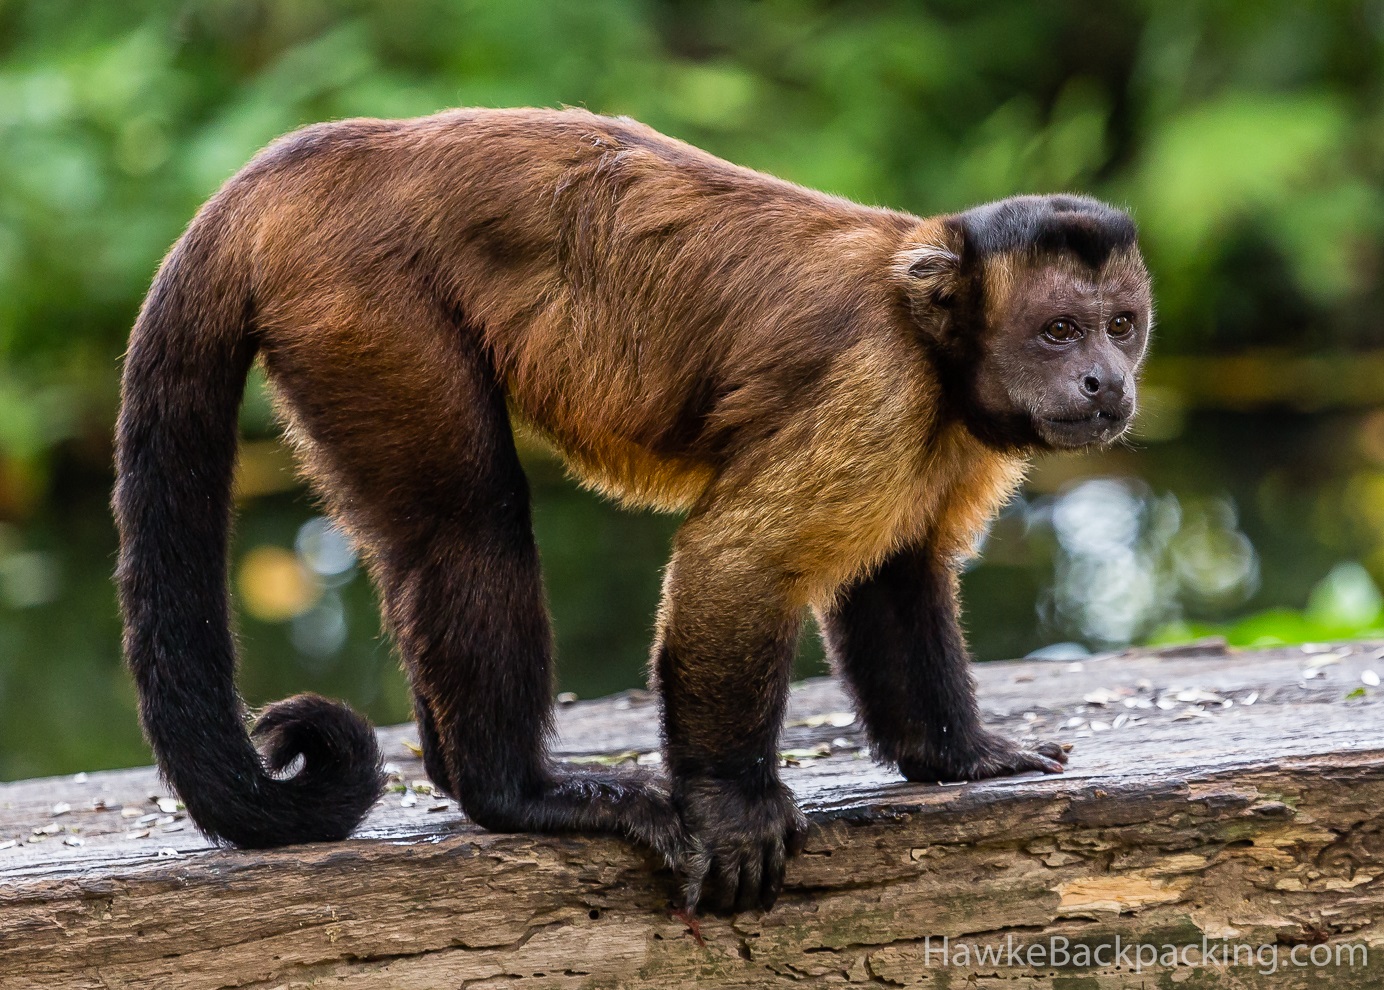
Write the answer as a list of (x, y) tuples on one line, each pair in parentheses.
[(931, 268)]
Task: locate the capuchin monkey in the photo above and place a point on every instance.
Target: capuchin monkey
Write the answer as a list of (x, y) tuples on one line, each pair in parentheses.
[(839, 398)]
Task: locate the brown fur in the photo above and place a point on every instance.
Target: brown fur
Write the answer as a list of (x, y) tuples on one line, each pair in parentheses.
[(649, 308), (689, 335)]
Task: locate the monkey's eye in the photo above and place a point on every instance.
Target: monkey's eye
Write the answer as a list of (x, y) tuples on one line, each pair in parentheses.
[(1062, 330), (1121, 325)]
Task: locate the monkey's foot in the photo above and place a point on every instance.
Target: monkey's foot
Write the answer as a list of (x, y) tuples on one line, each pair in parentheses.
[(985, 755), (739, 843), (624, 801)]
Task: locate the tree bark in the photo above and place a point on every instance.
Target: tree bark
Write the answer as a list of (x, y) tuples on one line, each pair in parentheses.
[(1215, 801)]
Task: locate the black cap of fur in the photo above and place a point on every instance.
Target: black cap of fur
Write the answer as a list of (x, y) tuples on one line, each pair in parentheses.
[(1077, 225)]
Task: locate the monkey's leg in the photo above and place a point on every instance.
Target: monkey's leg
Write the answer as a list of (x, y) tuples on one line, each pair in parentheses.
[(468, 613), (896, 636), (410, 441), (723, 657)]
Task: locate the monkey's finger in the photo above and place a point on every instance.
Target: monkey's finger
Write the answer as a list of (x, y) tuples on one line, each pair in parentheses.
[(695, 868), (775, 859), (796, 836), (747, 895), (725, 882), (1053, 751), (1024, 760)]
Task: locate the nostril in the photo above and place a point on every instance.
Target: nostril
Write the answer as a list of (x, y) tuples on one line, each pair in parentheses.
[(1090, 384)]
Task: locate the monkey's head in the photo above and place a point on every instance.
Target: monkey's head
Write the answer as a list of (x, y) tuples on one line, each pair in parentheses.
[(1038, 311)]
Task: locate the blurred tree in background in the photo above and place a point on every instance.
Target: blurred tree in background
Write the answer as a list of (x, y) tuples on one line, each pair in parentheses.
[(1246, 138)]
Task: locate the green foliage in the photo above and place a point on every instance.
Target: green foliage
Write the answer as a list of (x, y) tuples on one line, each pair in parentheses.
[(1344, 605), (1244, 137)]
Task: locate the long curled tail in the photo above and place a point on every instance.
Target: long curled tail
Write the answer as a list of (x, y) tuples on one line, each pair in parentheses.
[(189, 355)]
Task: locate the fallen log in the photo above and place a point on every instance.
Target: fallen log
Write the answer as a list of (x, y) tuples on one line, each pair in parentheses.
[(1216, 803)]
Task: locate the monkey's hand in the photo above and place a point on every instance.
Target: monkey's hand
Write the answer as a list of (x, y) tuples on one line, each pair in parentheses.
[(739, 843), (980, 756)]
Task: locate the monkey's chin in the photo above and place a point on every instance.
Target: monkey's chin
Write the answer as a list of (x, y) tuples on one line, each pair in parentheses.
[(1060, 433)]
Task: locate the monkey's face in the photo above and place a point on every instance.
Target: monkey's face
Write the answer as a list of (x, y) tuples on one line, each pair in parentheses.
[(1038, 310), (1061, 345)]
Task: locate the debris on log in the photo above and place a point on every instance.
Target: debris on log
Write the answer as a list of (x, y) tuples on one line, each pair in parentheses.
[(1216, 802)]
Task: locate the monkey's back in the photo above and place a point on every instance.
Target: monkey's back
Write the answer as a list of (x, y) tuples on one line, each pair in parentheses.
[(646, 305)]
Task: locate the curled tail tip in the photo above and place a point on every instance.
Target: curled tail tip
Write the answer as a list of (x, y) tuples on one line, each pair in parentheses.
[(268, 801), (322, 731), (342, 773)]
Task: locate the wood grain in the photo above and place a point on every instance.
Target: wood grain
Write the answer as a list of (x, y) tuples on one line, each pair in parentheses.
[(1253, 823)]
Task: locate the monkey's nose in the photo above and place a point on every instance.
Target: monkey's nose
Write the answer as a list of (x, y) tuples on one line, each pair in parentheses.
[(1109, 388)]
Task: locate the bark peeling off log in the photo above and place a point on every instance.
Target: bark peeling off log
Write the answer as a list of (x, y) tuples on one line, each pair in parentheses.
[(1255, 825)]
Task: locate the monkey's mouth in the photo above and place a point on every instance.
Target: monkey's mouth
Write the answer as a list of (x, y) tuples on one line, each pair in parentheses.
[(1087, 429)]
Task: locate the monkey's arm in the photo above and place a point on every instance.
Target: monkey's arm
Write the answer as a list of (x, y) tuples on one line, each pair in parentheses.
[(723, 668), (895, 635)]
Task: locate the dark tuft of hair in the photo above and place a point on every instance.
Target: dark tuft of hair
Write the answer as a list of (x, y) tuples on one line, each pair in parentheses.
[(1077, 225)]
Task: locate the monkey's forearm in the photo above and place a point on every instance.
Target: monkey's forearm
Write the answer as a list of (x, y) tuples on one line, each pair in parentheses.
[(724, 677), (723, 703), (896, 636), (722, 713)]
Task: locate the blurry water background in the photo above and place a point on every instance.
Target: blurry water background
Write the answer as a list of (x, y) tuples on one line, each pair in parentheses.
[(1247, 139)]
